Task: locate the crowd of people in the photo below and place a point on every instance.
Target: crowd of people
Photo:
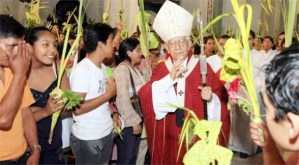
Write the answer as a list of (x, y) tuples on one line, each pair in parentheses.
[(171, 74)]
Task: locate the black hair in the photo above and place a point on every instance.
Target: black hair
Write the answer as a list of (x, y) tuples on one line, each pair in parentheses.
[(9, 27), (82, 54), (269, 37), (197, 48), (282, 81), (205, 39), (252, 34), (93, 34), (224, 36), (126, 45), (32, 34), (72, 36), (282, 33), (60, 49)]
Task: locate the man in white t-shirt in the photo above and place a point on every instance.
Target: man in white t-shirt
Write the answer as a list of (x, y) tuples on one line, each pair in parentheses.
[(92, 137), (267, 50), (258, 60)]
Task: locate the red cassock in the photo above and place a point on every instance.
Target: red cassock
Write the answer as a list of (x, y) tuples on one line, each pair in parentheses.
[(163, 135)]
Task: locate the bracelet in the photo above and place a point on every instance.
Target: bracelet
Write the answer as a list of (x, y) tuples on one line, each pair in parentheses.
[(37, 146), (114, 113)]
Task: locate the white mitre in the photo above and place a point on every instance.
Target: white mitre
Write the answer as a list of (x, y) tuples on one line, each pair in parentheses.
[(172, 21)]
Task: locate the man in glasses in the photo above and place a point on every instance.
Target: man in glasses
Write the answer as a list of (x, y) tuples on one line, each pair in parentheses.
[(281, 130), (178, 80)]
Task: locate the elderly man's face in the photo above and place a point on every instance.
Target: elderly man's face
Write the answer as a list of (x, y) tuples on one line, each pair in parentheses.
[(178, 47)]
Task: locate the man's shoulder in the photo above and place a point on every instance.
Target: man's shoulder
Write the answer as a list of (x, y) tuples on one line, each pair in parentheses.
[(274, 52), (7, 75), (7, 71), (83, 63), (262, 51), (81, 67), (256, 53)]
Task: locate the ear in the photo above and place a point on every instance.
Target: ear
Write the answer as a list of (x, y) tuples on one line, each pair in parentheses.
[(100, 44), (129, 53), (293, 120)]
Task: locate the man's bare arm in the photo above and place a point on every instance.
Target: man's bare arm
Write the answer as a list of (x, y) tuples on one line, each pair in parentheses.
[(30, 131), (11, 101)]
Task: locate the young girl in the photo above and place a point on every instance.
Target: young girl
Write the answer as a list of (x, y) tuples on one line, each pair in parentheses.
[(42, 80), (209, 46), (130, 54)]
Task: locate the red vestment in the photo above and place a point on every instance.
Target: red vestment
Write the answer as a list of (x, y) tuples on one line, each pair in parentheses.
[(163, 135)]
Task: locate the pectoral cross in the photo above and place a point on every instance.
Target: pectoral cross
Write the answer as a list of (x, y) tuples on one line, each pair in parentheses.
[(181, 93)]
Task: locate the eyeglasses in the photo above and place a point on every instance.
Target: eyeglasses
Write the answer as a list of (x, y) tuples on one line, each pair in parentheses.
[(181, 43)]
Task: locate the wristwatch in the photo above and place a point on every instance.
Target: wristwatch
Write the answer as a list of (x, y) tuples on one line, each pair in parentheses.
[(37, 146)]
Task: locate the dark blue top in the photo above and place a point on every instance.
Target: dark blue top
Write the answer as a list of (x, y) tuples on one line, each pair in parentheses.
[(44, 125)]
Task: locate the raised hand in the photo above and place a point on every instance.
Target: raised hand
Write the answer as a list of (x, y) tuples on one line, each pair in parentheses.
[(54, 104), (260, 134), (20, 62), (177, 69)]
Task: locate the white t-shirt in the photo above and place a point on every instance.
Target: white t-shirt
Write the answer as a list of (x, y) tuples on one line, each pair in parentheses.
[(87, 78), (269, 55), (258, 61)]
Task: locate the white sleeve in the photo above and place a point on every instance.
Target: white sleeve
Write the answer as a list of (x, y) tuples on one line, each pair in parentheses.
[(214, 108), (259, 76), (79, 80), (162, 93)]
